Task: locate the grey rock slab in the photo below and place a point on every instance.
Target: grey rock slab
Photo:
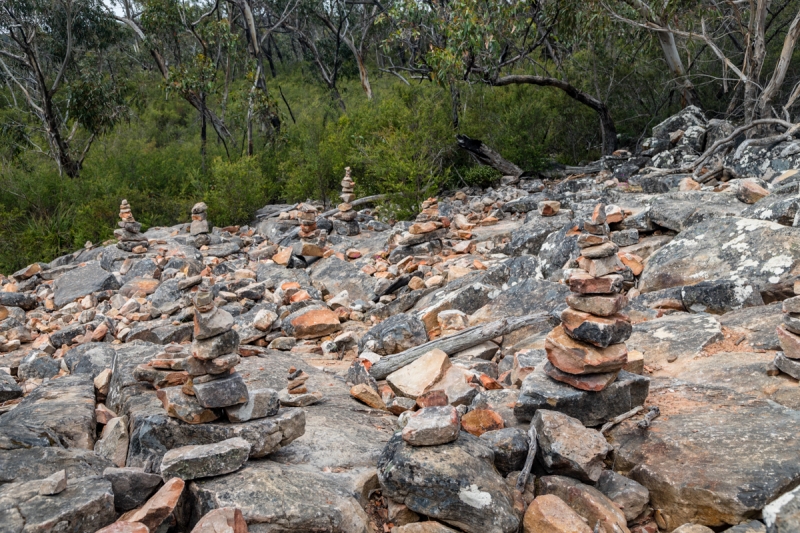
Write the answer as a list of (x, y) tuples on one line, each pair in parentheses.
[(568, 448), (221, 392), (763, 253), (502, 402), (276, 498), (262, 402), (131, 486), (788, 366), (38, 365), (455, 483), (25, 464), (675, 336), (720, 296), (205, 460), (432, 426), (125, 390), (538, 391), (87, 504), (81, 281), (337, 276), (713, 457), (529, 238), (18, 299), (753, 526), (395, 334), (775, 208), (680, 210), (757, 324), (65, 405), (160, 332)]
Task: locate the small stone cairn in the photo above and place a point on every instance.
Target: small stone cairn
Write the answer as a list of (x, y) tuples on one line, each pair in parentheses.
[(788, 361), (199, 227), (345, 220), (296, 393), (424, 236), (588, 350), (129, 235), (207, 376), (307, 215)]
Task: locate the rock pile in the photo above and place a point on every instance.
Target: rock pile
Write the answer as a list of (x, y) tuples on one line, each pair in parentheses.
[(424, 236), (345, 222), (207, 377), (308, 221), (588, 349), (129, 235), (788, 332), (199, 227)]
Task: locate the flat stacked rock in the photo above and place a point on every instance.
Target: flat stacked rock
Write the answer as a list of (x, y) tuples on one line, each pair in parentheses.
[(587, 350), (207, 377), (345, 220), (199, 227), (129, 235), (424, 236), (307, 214), (788, 361), (296, 393)]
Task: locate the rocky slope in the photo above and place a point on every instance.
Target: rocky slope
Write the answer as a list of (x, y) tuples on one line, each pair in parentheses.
[(614, 351)]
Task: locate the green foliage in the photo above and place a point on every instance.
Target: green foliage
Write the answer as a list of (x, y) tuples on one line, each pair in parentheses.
[(480, 176), (236, 189)]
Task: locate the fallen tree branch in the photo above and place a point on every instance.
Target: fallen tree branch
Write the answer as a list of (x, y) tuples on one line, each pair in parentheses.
[(526, 470), (453, 343), (617, 419), (649, 417), (360, 201), (486, 156)]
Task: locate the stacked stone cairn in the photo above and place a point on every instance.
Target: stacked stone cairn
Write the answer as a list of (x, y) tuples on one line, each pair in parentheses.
[(198, 387), (296, 393), (788, 361), (424, 236), (129, 235), (307, 215), (588, 350), (345, 222), (199, 227)]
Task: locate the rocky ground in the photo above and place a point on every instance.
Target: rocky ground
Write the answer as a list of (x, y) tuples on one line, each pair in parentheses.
[(407, 378)]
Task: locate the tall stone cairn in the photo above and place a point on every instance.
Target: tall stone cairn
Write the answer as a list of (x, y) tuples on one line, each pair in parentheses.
[(588, 350), (307, 215), (199, 227), (129, 235), (345, 222), (193, 387)]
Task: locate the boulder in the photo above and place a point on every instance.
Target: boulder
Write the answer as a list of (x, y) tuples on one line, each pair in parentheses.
[(223, 520), (679, 211), (420, 376), (631, 497), (275, 497), (549, 514), (9, 389), (764, 253), (131, 486), (713, 457), (90, 358), (64, 405), (783, 514), (81, 281), (337, 276), (566, 447), (510, 447), (87, 504), (159, 507), (311, 322), (432, 426), (587, 501), (455, 483), (37, 462)]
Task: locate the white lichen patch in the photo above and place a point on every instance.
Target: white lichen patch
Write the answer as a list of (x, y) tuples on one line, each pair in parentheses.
[(475, 497), (777, 265), (663, 334)]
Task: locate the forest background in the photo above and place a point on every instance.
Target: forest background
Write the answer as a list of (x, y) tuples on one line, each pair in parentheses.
[(241, 103)]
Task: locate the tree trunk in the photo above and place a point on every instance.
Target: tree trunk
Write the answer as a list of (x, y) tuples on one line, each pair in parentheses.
[(455, 103), (779, 73), (609, 131), (757, 52), (487, 156), (689, 95)]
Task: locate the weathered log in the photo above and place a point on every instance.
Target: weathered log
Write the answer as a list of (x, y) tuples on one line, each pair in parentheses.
[(454, 343), (360, 201), (487, 156)]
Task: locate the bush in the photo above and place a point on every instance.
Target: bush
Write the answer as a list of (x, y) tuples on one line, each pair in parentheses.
[(481, 176)]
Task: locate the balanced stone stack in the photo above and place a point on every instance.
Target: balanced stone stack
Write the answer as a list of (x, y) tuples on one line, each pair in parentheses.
[(307, 214), (345, 222), (588, 350), (207, 375), (199, 227), (129, 235), (348, 185), (788, 361), (424, 236)]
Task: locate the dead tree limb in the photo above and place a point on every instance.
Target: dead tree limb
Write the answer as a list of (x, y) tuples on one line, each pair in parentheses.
[(486, 156), (618, 419), (453, 343), (526, 470)]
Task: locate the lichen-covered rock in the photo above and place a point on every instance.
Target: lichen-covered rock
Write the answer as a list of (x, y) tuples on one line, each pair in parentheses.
[(455, 483)]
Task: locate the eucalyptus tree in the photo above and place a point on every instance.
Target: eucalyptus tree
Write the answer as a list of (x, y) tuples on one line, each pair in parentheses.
[(52, 61)]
